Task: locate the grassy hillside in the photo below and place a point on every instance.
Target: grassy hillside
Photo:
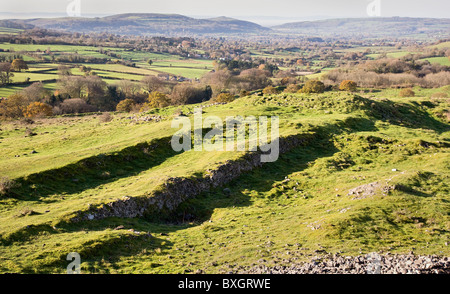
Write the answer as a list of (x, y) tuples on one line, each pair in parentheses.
[(439, 60), (147, 23), (377, 27), (371, 175)]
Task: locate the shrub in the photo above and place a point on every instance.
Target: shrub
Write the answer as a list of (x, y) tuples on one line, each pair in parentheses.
[(437, 80), (223, 98), (293, 88), (6, 185), (270, 90), (188, 94), (244, 93), (348, 85), (105, 117), (313, 86), (38, 109), (439, 95), (125, 105), (406, 93), (75, 105)]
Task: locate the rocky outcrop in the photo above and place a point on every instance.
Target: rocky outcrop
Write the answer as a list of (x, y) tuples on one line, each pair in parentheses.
[(362, 264), (177, 190)]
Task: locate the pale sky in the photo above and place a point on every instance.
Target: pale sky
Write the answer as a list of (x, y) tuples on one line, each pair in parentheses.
[(254, 10)]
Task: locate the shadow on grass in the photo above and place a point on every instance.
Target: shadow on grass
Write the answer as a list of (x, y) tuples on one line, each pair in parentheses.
[(403, 114), (200, 208), (94, 171), (127, 238)]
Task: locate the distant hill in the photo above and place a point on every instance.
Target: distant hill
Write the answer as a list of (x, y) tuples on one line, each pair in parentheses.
[(369, 27), (180, 25), (148, 24)]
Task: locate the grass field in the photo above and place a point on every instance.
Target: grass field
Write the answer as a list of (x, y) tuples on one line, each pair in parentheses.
[(162, 64), (441, 45), (439, 60), (300, 203), (9, 31), (396, 54), (33, 77)]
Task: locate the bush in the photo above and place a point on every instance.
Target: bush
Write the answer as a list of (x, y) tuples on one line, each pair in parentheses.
[(38, 109), (313, 86), (6, 185), (439, 95), (188, 94), (223, 98), (125, 105), (293, 88), (270, 90), (244, 93), (406, 93), (437, 80), (75, 105), (105, 117), (348, 85)]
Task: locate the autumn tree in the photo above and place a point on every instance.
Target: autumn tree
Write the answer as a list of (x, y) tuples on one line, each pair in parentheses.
[(157, 100), (18, 65), (13, 106), (125, 105), (38, 109)]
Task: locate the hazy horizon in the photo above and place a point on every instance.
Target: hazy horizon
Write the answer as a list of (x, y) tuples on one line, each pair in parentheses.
[(264, 12)]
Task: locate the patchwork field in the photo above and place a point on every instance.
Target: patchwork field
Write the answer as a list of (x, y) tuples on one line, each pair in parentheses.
[(41, 64)]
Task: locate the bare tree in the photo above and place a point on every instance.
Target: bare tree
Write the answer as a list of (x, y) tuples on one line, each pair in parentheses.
[(128, 88), (72, 86), (151, 84), (5, 73), (35, 92)]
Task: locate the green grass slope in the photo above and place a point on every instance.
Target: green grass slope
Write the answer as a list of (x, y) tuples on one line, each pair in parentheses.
[(372, 176)]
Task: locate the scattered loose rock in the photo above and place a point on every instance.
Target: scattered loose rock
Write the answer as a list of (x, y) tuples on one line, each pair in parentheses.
[(363, 264)]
